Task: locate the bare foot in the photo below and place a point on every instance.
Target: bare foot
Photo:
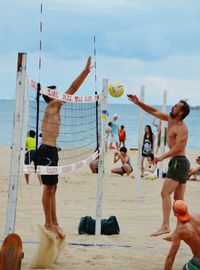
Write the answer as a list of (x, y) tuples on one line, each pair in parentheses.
[(168, 238), (162, 230), (59, 232), (53, 230)]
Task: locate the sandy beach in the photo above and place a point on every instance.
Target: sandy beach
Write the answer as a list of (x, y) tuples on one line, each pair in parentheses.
[(76, 197)]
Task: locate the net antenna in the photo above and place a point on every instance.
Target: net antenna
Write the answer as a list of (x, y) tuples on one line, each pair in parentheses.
[(38, 84), (95, 87)]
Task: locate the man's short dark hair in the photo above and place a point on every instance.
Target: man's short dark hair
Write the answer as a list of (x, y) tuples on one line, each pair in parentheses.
[(46, 98), (185, 108), (31, 133)]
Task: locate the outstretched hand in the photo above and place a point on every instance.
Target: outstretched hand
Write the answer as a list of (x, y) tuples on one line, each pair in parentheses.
[(157, 159), (133, 98), (88, 66)]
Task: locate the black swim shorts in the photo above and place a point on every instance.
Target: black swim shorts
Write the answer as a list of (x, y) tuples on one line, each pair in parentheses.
[(123, 170), (178, 169), (48, 156)]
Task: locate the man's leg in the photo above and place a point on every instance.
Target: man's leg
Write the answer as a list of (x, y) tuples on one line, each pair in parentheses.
[(179, 192), (169, 187), (54, 215), (178, 195), (47, 206)]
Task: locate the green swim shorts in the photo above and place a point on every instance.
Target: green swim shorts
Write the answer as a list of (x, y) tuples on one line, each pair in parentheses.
[(193, 264), (178, 169)]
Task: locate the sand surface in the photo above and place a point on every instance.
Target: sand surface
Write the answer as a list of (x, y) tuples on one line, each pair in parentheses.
[(76, 197)]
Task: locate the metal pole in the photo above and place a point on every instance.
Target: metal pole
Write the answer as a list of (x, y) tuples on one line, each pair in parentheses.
[(140, 140), (100, 175), (162, 135), (16, 144)]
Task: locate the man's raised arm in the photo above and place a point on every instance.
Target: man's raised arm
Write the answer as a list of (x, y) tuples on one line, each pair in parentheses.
[(147, 108), (80, 79)]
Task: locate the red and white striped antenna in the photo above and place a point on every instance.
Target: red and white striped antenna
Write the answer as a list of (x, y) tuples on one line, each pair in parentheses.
[(40, 44)]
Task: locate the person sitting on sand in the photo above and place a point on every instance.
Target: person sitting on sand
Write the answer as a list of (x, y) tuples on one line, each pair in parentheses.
[(194, 173), (125, 159), (188, 230), (94, 165), (149, 167)]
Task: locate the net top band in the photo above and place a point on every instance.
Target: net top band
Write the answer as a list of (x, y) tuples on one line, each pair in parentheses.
[(52, 93)]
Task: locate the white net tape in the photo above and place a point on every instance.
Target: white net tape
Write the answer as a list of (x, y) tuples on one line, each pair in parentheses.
[(52, 93), (51, 170)]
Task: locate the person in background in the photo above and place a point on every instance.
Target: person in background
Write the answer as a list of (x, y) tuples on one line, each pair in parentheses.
[(188, 230), (94, 165), (150, 167), (108, 136), (194, 173), (114, 133), (125, 160), (30, 150), (158, 127), (148, 145), (122, 136)]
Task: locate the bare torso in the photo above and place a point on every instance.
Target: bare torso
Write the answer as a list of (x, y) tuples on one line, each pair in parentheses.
[(190, 233), (51, 123), (177, 129), (124, 158)]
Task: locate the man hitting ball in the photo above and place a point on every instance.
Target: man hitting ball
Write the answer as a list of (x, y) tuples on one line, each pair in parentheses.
[(178, 168)]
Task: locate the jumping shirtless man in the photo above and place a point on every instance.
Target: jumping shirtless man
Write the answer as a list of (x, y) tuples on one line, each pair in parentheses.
[(188, 230), (178, 168), (47, 154)]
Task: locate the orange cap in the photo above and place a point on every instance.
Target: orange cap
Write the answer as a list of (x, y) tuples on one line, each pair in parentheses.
[(181, 210)]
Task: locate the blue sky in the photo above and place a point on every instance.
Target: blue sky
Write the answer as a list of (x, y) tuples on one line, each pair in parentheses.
[(139, 42)]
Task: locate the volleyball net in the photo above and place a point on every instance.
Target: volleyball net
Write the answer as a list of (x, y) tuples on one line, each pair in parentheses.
[(78, 139)]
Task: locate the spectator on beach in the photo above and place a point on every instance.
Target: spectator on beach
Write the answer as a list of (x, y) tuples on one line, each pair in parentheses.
[(122, 136), (150, 167), (188, 230), (148, 145), (178, 167), (125, 160), (108, 135), (94, 165), (114, 133), (30, 150), (194, 173), (158, 127)]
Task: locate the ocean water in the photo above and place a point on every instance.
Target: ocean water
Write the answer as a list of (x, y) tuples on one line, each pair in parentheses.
[(128, 116)]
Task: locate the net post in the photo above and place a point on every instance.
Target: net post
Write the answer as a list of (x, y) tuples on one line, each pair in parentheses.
[(162, 136), (37, 122), (25, 123), (16, 144), (100, 175), (140, 139)]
